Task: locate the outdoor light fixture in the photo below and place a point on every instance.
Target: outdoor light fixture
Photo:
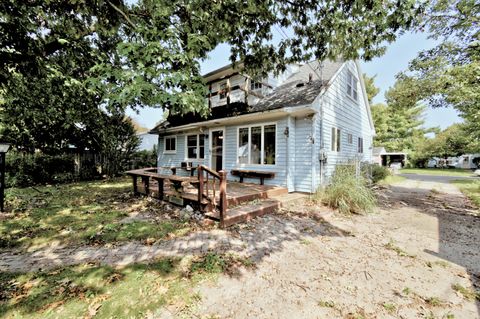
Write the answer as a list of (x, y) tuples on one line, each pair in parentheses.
[(3, 150)]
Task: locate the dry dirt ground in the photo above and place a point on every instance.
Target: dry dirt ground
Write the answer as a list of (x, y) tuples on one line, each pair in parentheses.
[(401, 262)]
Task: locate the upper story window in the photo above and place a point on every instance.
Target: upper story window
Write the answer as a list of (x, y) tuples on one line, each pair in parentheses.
[(257, 144), (360, 145), (350, 138), (336, 139), (196, 146), (223, 91), (352, 86), (255, 86), (170, 144)]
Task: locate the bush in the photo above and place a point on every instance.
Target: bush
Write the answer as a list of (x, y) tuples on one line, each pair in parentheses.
[(348, 193), (23, 169), (375, 172), (144, 159)]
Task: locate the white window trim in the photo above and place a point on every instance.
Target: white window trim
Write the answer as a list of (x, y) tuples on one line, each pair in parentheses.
[(338, 137), (165, 144), (354, 88), (198, 147), (262, 137), (358, 145), (210, 146)]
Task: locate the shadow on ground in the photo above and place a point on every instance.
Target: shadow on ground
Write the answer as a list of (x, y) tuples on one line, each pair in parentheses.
[(458, 224)]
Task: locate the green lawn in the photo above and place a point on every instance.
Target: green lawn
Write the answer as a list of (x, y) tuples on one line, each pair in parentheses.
[(88, 291), (471, 189), (437, 171), (80, 213), (391, 179), (90, 213)]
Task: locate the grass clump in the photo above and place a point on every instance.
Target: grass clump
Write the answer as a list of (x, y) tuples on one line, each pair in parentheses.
[(392, 246), (471, 189), (390, 307), (326, 304), (348, 192), (467, 293)]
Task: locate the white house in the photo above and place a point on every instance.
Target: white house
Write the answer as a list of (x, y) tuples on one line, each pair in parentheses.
[(298, 126), (148, 141)]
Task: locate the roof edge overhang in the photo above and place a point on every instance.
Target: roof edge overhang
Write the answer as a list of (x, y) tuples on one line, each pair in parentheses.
[(301, 110)]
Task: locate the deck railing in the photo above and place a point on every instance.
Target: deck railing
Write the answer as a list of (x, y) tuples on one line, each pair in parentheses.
[(207, 186), (207, 179)]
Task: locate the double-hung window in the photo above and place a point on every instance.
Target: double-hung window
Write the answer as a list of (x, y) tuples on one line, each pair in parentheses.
[(170, 144), (336, 139), (350, 138), (352, 86), (196, 146), (360, 145), (257, 144)]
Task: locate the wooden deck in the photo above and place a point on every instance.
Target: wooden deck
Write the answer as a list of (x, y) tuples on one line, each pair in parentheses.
[(237, 193), (241, 201)]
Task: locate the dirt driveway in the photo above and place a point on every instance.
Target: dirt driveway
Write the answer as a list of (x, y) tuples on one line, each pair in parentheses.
[(418, 257)]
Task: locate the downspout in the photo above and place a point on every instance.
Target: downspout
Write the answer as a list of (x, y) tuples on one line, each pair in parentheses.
[(322, 151)]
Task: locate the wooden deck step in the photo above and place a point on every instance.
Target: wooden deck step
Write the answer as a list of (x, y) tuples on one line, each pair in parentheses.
[(237, 199), (247, 212)]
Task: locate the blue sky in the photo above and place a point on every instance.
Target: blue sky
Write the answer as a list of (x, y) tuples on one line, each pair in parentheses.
[(396, 59)]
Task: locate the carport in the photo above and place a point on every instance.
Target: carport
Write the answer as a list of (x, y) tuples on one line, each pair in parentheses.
[(393, 157)]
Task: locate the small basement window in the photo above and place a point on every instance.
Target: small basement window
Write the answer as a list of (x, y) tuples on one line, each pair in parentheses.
[(352, 86), (170, 144)]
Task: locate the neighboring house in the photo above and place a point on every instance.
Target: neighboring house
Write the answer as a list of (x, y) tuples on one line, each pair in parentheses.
[(148, 141), (298, 125)]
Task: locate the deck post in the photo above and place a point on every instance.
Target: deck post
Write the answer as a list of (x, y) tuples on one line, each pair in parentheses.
[(160, 182), (200, 185), (223, 197), (135, 187), (146, 184)]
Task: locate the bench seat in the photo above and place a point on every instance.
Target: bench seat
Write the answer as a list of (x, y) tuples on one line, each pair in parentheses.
[(244, 173)]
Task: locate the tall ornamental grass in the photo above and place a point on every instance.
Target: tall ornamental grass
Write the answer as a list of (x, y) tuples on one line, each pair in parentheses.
[(348, 193)]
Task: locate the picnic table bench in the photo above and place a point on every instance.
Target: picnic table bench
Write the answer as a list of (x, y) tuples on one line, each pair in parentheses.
[(244, 173)]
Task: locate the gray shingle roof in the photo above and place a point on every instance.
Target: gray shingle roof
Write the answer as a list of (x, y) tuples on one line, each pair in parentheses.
[(295, 91)]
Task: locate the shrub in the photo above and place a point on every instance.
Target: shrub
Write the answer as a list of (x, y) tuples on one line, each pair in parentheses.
[(375, 172), (144, 159), (24, 169), (348, 193)]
